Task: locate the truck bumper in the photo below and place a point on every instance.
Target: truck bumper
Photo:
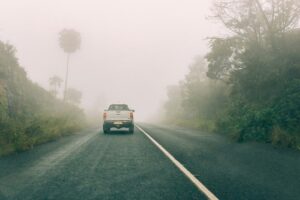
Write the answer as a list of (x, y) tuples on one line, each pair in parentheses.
[(117, 124)]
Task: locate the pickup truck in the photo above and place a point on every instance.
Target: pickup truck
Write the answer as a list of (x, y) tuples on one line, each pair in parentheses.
[(118, 116)]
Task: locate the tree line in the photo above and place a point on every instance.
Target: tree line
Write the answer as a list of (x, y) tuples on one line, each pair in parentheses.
[(248, 84)]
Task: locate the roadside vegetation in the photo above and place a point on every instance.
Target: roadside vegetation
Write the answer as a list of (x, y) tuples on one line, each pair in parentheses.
[(30, 115), (248, 85)]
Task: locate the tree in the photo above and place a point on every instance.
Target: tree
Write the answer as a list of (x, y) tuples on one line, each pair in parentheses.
[(202, 97), (55, 82), (261, 62), (173, 106), (224, 57), (69, 41), (193, 86), (258, 20), (73, 96), (255, 25)]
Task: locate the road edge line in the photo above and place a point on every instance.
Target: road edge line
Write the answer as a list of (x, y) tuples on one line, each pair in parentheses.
[(200, 186)]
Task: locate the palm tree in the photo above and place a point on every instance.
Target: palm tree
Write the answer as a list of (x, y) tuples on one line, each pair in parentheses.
[(55, 82), (69, 41)]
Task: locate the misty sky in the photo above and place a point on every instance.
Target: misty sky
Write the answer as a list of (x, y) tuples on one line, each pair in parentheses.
[(131, 49)]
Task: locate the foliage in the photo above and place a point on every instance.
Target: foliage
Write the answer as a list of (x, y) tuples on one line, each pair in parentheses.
[(29, 115), (73, 96), (197, 100), (253, 89), (264, 96)]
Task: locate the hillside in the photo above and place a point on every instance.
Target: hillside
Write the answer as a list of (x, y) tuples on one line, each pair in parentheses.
[(30, 115)]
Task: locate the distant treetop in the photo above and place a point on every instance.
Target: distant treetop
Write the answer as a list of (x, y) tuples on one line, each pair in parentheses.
[(69, 40)]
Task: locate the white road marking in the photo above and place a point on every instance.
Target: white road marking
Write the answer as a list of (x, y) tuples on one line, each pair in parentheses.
[(185, 171)]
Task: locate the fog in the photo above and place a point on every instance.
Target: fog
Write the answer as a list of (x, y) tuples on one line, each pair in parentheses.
[(131, 49)]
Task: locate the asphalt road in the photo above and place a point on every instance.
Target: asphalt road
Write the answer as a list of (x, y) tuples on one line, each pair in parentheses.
[(232, 170), (94, 166), (91, 165)]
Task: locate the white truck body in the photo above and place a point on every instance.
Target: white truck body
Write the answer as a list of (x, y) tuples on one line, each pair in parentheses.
[(118, 116)]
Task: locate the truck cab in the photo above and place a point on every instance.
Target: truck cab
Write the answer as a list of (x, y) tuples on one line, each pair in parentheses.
[(118, 116)]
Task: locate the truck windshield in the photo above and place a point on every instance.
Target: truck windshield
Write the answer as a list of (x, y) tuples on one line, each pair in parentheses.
[(118, 107)]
